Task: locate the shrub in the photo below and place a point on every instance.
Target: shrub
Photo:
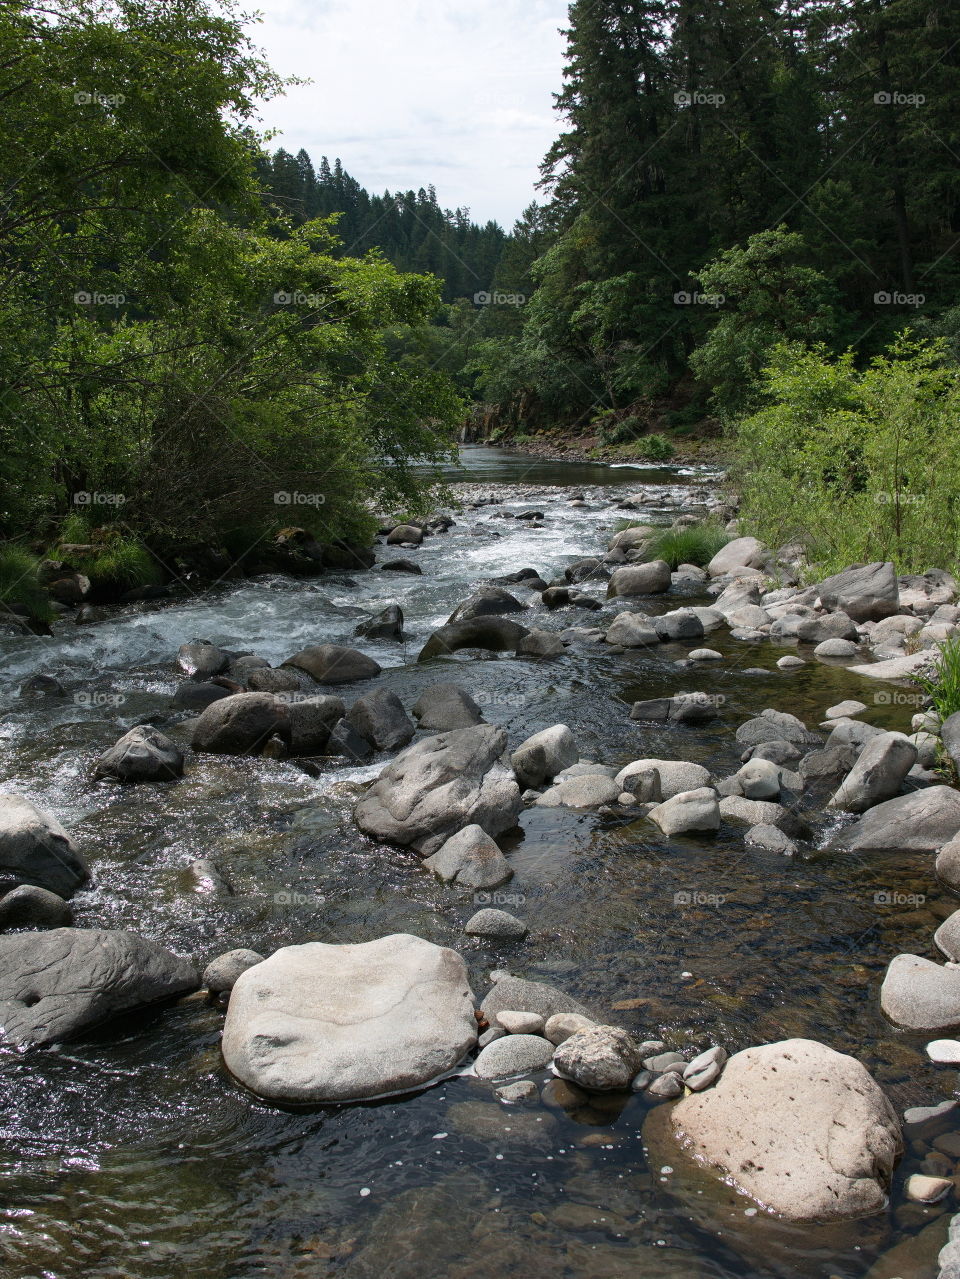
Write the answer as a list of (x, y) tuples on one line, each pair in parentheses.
[(19, 586)]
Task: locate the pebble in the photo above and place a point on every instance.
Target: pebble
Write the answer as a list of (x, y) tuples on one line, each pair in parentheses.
[(790, 662), (927, 1190), (518, 1023), (705, 655)]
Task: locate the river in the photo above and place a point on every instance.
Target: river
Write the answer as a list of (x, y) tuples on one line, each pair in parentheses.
[(131, 1153)]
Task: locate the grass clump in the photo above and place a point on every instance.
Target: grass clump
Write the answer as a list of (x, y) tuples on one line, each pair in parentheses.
[(20, 589), (696, 544), (942, 686)]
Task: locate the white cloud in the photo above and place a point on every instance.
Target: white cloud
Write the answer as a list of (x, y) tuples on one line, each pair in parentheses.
[(409, 92)]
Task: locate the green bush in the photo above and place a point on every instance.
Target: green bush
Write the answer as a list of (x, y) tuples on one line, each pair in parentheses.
[(697, 544), (856, 465), (19, 586), (115, 563)]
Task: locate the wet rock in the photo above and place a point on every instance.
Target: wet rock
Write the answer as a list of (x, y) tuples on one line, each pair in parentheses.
[(516, 993), (207, 878), (561, 1026), (54, 985), (523, 1090), (380, 718), (642, 786), (345, 742), (665, 1086), (202, 660), (771, 725), (798, 1127), (537, 643), (944, 1051), (589, 791), (695, 810), (332, 1023), (652, 578), (828, 767), (867, 594), (470, 858), (35, 849), (142, 755), (878, 773), (755, 812), (603, 1058), (682, 624), (388, 624), (682, 708), (632, 630), (30, 907), (405, 535), (777, 752), (402, 566), (498, 924), (769, 839), (816, 630), (440, 785), (444, 707), (221, 974), (927, 1190), (926, 1121), (845, 710), (543, 755), (921, 822), (513, 1055), (334, 664), (496, 634), (742, 552), (790, 662), (241, 724), (586, 570), (675, 776), (43, 686), (241, 668), (197, 697), (705, 654), (921, 995), (486, 601)]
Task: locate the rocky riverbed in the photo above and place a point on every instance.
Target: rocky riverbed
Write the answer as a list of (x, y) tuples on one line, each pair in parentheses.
[(529, 883)]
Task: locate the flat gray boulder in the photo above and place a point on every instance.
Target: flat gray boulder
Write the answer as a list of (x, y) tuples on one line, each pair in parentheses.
[(471, 858), (516, 994), (498, 924), (800, 1128), (652, 578), (334, 664), (675, 775), (334, 1023), (868, 593), (921, 822), (142, 755), (692, 810), (589, 791), (35, 849), (921, 995), (878, 773), (55, 985), (439, 785)]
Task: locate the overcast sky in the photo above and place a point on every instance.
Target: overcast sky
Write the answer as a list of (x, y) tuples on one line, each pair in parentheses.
[(409, 92)]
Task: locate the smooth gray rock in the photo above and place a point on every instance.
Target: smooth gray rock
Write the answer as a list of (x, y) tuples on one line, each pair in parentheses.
[(665, 1086), (35, 849), (334, 1023), (486, 601), (439, 785), (516, 993), (221, 974), (947, 864), (523, 1090), (867, 594), (759, 779), (921, 995), (755, 812), (543, 755), (334, 664), (445, 707), (816, 630), (741, 552), (679, 625), (589, 791), (771, 725), (921, 822), (56, 984), (537, 643), (470, 858), (777, 752), (241, 724), (640, 579), (276, 680), (380, 718), (799, 1128), (489, 922), (682, 708), (675, 775), (836, 648), (312, 721), (561, 1026), (513, 1055), (517, 1023), (632, 630), (600, 1059), (494, 633), (705, 1069), (878, 773), (201, 660), (142, 755), (30, 907), (769, 839), (197, 697), (694, 810)]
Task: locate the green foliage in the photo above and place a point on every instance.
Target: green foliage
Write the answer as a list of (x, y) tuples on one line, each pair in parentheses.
[(856, 466), (697, 544), (19, 586), (943, 685)]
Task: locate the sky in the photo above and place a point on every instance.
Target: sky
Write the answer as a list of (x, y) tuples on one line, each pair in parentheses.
[(409, 92)]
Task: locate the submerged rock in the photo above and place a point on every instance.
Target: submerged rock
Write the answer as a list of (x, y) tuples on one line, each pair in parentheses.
[(334, 1023), (54, 985), (516, 994), (802, 1129)]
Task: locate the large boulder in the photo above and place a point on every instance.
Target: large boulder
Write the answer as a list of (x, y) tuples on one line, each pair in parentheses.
[(334, 664), (493, 633), (241, 724), (692, 810), (486, 601), (742, 552), (381, 719), (867, 593), (800, 1128), (640, 579), (921, 822), (405, 535), (675, 775), (439, 785), (543, 755), (631, 539), (878, 773), (312, 720), (35, 849), (443, 707), (54, 985), (633, 630), (142, 755), (921, 995), (334, 1023)]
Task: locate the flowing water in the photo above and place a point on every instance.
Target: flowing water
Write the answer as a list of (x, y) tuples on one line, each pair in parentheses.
[(131, 1153)]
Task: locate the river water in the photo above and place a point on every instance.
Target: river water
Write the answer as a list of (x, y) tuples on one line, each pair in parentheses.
[(132, 1153)]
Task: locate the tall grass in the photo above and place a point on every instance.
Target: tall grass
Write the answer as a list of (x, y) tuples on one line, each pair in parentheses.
[(20, 587), (943, 685), (116, 562), (697, 544)]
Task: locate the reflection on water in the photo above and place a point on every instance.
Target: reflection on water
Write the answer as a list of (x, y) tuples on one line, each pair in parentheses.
[(132, 1154)]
